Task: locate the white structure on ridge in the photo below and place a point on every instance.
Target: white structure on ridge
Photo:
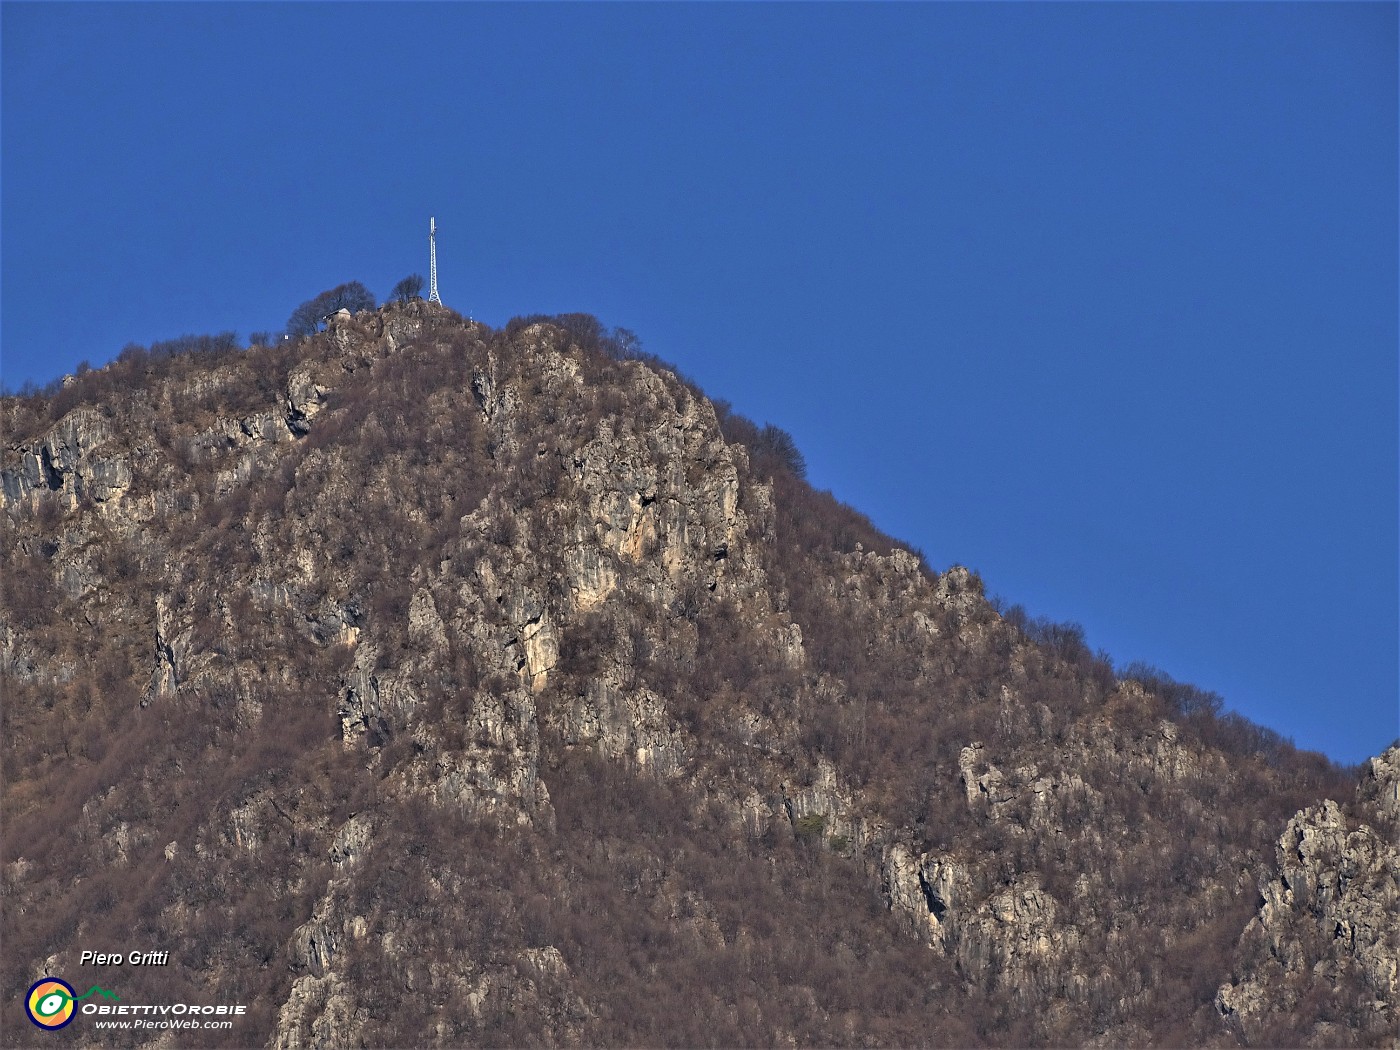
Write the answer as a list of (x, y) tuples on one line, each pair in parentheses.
[(432, 262)]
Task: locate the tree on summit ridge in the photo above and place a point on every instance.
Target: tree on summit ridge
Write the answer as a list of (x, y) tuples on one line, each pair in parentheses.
[(352, 296), (411, 287), (307, 318), (776, 442)]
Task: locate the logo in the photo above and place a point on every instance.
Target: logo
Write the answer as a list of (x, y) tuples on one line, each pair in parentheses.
[(50, 1002)]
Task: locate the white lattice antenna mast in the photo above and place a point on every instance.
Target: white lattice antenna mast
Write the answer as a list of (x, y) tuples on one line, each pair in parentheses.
[(432, 262)]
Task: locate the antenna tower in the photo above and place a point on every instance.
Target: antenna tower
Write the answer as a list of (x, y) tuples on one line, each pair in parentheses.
[(432, 262)]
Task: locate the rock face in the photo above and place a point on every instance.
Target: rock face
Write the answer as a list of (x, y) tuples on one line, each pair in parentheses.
[(423, 684), (72, 460), (1326, 928)]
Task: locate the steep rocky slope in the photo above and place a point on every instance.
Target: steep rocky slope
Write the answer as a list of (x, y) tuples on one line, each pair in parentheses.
[(427, 684)]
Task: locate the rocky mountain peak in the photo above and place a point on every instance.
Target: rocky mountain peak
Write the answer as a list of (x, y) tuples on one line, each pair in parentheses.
[(430, 684)]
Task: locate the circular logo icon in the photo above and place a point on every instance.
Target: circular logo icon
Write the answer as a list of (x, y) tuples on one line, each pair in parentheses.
[(49, 1003)]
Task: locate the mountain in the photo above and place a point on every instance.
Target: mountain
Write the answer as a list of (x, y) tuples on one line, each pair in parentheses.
[(418, 683)]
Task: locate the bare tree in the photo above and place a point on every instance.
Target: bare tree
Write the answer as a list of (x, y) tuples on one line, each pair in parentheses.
[(626, 345), (352, 296), (307, 318), (411, 287), (777, 443)]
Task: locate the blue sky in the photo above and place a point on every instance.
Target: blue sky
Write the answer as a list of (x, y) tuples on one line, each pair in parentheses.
[(1098, 299)]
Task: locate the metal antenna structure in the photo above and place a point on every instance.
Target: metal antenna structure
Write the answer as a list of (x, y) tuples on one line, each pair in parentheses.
[(432, 262)]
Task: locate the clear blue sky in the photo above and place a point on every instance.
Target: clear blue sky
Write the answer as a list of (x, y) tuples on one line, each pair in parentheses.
[(1098, 299)]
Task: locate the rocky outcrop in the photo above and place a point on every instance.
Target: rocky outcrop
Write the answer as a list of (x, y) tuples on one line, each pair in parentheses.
[(321, 1009), (74, 460), (825, 811), (1006, 937), (1327, 913), (304, 399), (934, 892), (1379, 792)]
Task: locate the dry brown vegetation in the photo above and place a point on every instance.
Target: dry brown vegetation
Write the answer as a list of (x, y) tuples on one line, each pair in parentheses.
[(674, 924)]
